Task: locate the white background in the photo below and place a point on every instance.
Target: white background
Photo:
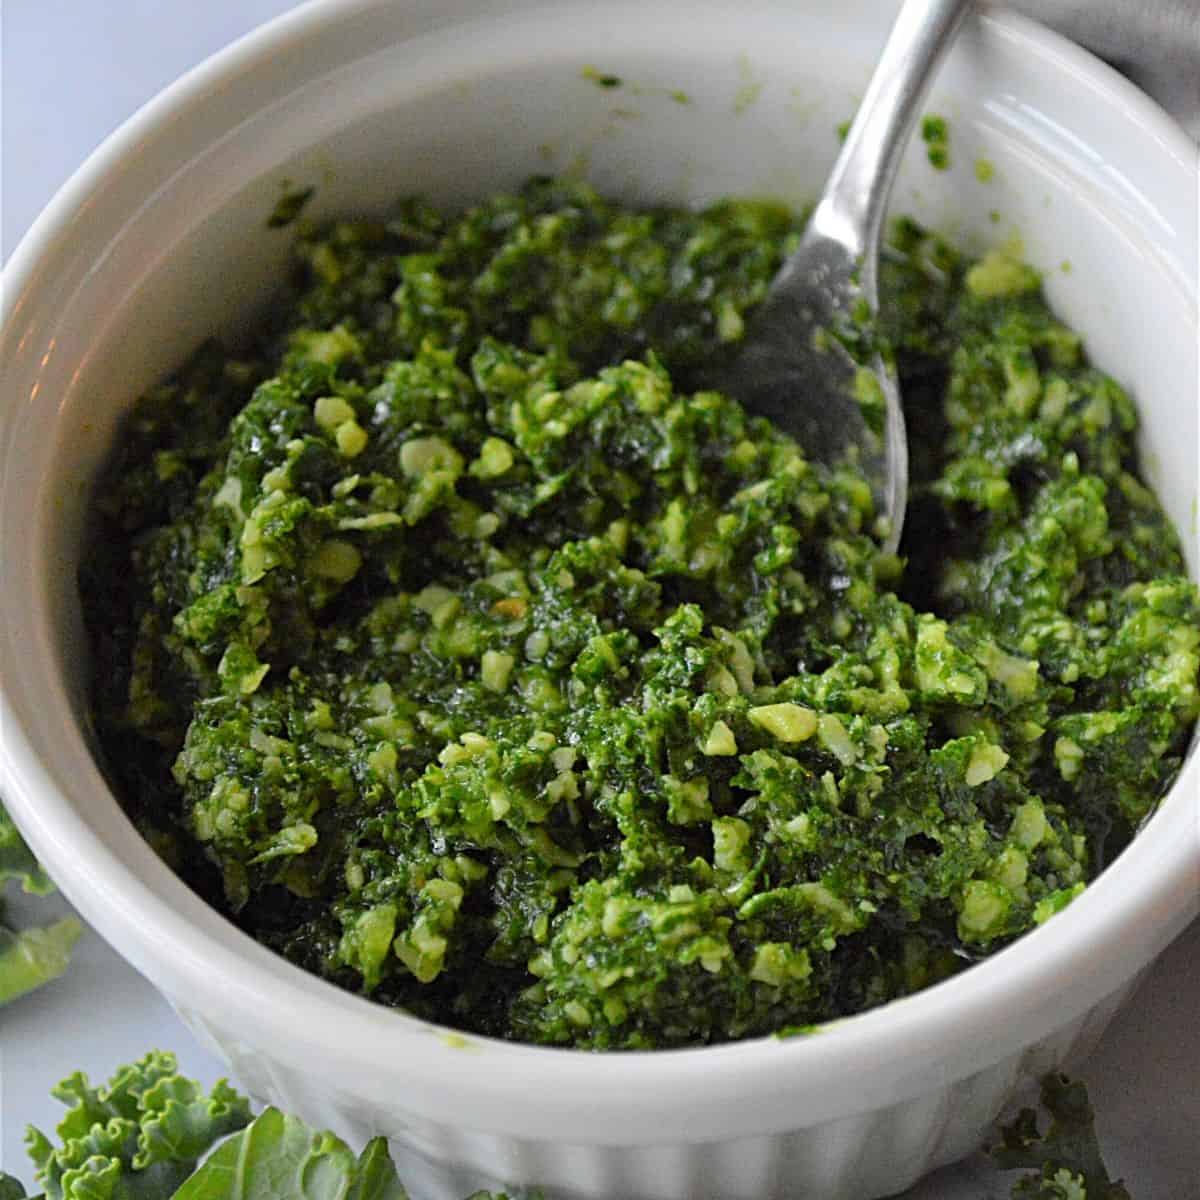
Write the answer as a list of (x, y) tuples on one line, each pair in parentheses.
[(70, 72)]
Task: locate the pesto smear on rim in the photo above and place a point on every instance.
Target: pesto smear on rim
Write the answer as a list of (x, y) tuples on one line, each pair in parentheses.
[(458, 649)]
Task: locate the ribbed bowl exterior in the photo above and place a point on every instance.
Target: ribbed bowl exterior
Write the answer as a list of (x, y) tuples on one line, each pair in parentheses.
[(878, 1152)]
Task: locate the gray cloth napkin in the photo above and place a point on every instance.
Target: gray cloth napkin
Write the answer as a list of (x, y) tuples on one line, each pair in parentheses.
[(1155, 42)]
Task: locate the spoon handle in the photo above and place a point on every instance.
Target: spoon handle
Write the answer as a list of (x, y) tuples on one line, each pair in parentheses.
[(855, 198)]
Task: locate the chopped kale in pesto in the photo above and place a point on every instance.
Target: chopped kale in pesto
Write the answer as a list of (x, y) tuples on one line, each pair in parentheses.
[(460, 650), (289, 206), (935, 133)]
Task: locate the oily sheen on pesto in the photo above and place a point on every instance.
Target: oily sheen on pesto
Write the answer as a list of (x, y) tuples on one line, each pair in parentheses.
[(461, 650)]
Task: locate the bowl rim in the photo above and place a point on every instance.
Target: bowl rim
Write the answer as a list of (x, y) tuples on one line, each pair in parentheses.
[(273, 999)]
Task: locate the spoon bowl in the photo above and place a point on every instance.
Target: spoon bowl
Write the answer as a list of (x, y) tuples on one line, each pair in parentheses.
[(796, 371), (794, 367)]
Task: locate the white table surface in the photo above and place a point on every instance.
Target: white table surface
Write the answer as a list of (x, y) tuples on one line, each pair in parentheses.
[(70, 72)]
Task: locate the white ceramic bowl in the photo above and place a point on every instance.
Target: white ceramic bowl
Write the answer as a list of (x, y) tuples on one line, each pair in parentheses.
[(159, 240)]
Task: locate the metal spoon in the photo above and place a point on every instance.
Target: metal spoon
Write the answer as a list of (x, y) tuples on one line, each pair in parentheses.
[(788, 368)]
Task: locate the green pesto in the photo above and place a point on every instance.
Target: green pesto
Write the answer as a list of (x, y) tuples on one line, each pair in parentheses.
[(289, 206), (935, 132), (600, 78), (750, 88), (460, 650)]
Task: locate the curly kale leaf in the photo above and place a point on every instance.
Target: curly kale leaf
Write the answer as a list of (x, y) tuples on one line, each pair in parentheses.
[(17, 861), (280, 1156), (28, 957), (1066, 1158), (31, 957), (144, 1134), (138, 1138)]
